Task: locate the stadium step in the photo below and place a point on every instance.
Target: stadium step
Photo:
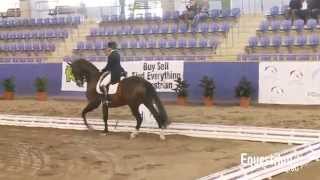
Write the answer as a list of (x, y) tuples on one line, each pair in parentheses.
[(237, 38), (66, 48)]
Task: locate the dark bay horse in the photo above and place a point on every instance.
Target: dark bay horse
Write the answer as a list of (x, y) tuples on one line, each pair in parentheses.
[(132, 91)]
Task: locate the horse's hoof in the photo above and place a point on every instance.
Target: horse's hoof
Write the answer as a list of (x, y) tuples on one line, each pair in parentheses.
[(133, 135), (104, 134), (162, 137), (90, 128)]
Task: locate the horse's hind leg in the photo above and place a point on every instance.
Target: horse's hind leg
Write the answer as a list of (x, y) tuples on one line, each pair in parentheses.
[(91, 106), (154, 112), (156, 115), (137, 115)]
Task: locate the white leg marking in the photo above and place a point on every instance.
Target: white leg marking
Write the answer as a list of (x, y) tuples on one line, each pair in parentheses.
[(134, 134), (162, 136)]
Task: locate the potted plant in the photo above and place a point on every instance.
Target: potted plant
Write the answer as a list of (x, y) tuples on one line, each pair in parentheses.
[(208, 87), (181, 91), (9, 88), (41, 88), (244, 91)]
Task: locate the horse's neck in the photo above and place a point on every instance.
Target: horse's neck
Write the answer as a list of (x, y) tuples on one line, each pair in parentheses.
[(92, 75)]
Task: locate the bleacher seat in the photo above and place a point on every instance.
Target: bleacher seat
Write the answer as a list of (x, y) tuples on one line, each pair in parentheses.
[(264, 26), (314, 40), (214, 13), (182, 43), (299, 25), (225, 27), (289, 41), (172, 43), (253, 42), (275, 25), (286, 25), (312, 24), (214, 27), (301, 40), (274, 11), (151, 44), (162, 44), (264, 41), (276, 41)]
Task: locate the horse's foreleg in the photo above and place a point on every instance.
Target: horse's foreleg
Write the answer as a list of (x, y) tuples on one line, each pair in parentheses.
[(137, 115), (105, 112), (91, 106)]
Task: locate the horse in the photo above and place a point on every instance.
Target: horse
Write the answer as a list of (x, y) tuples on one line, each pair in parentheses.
[(132, 91)]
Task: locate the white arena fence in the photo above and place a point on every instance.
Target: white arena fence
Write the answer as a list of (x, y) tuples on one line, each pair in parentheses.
[(280, 135), (295, 157), (288, 160)]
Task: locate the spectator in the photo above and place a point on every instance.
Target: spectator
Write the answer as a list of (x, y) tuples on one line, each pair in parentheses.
[(196, 10), (298, 9), (314, 8), (202, 11), (191, 11)]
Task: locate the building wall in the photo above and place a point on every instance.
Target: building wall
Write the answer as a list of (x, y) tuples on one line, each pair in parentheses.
[(225, 74), (25, 8)]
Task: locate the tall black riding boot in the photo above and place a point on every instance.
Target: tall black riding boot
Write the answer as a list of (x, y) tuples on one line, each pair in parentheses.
[(105, 99)]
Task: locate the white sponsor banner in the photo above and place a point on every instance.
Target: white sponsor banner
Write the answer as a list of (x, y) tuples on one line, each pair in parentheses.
[(289, 83), (161, 74)]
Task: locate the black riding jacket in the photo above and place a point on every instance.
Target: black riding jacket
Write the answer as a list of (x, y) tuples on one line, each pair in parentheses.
[(114, 66)]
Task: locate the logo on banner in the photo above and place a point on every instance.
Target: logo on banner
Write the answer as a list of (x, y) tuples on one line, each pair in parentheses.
[(296, 78), (271, 70), (296, 75), (277, 91), (69, 75), (315, 92)]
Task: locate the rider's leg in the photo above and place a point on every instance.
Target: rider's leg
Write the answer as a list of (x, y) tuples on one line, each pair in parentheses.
[(105, 88), (106, 98)]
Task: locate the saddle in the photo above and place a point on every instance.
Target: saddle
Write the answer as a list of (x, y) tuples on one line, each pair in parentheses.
[(113, 87)]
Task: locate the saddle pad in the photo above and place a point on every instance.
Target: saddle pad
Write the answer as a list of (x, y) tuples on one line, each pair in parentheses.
[(112, 89)]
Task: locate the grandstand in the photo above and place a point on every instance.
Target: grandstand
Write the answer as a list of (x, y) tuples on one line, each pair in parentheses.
[(280, 38), (223, 34), (219, 35)]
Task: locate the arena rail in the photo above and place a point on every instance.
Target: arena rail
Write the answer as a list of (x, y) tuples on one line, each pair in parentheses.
[(280, 135)]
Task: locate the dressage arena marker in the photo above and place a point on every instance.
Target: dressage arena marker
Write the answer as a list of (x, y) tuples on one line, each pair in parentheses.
[(295, 157)]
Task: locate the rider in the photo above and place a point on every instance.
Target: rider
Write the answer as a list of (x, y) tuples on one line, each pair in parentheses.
[(113, 71)]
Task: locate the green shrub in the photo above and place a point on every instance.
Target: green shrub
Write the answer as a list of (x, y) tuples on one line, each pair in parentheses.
[(8, 84), (181, 89), (208, 86), (244, 88), (41, 84)]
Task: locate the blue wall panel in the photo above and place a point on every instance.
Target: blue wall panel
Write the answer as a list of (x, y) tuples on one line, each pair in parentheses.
[(25, 74), (225, 74)]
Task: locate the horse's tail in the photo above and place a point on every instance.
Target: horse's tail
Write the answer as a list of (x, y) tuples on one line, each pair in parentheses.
[(159, 106)]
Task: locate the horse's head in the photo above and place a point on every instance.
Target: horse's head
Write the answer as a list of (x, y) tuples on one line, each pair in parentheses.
[(83, 71), (78, 73)]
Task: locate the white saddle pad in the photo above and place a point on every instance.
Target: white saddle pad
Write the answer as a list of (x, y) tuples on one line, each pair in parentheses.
[(112, 89)]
